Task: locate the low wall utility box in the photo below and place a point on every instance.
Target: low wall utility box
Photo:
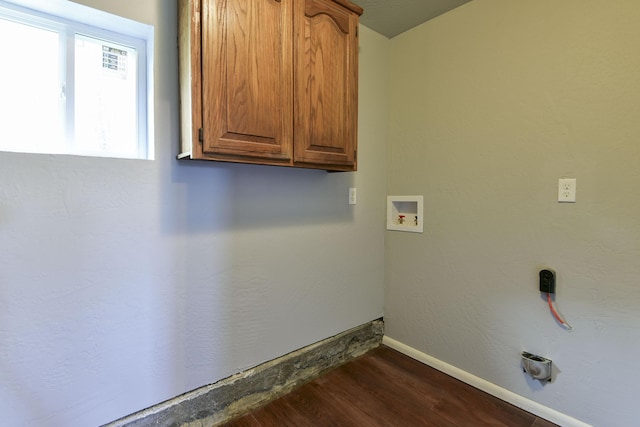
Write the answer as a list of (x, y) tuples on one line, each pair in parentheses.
[(405, 213)]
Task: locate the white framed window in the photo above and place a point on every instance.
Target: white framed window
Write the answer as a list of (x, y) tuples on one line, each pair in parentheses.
[(74, 80)]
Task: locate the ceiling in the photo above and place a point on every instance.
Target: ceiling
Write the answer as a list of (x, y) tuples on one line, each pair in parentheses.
[(392, 17)]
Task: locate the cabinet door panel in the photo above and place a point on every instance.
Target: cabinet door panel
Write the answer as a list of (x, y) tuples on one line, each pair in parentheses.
[(247, 75), (326, 85)]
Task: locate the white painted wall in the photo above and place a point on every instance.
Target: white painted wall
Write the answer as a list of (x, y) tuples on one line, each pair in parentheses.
[(490, 105), (124, 283)]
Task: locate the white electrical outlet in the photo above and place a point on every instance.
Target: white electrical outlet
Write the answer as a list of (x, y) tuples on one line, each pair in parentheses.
[(567, 190), (352, 196)]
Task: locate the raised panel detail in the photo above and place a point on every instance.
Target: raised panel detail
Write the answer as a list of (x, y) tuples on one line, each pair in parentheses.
[(246, 57), (326, 91)]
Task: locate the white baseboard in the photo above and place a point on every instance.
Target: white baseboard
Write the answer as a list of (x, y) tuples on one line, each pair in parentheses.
[(490, 388)]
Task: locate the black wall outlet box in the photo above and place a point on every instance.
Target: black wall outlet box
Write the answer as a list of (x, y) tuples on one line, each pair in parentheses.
[(547, 281)]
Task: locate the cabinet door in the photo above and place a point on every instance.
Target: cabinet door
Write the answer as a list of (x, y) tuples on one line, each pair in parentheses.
[(326, 78), (247, 80)]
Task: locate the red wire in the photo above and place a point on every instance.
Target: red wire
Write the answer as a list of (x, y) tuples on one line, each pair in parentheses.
[(554, 312)]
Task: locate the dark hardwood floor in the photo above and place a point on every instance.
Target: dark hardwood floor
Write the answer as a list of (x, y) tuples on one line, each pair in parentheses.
[(387, 388)]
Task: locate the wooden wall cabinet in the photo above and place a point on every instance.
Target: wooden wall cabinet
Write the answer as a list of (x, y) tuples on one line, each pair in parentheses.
[(270, 82)]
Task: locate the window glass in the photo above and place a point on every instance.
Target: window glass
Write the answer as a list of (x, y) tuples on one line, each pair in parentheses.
[(32, 101), (106, 108)]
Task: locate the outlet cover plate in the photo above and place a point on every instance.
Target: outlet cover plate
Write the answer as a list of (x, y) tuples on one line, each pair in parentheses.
[(567, 190)]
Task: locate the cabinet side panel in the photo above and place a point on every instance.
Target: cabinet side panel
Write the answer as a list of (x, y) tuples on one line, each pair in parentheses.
[(189, 68)]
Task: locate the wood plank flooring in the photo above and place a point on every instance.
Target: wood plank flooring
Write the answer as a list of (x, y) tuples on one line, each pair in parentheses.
[(387, 388)]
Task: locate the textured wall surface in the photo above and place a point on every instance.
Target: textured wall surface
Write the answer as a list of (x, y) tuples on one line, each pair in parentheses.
[(124, 283), (490, 105)]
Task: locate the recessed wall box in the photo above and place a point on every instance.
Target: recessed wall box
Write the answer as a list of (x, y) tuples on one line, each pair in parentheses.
[(537, 367), (405, 213)]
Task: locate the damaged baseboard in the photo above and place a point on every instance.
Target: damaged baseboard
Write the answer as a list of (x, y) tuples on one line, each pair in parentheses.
[(245, 391)]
